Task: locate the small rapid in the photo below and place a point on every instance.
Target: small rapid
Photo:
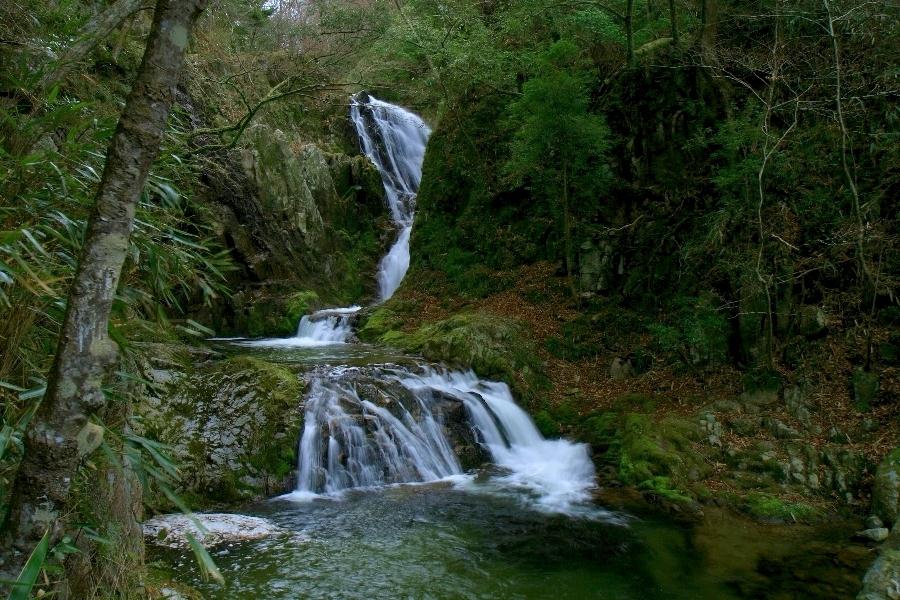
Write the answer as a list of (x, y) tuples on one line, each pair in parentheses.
[(321, 328), (386, 424)]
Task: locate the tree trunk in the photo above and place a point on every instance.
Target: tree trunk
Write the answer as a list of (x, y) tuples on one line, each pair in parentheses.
[(865, 275), (567, 233), (85, 353), (91, 34), (629, 32), (674, 21), (707, 33)]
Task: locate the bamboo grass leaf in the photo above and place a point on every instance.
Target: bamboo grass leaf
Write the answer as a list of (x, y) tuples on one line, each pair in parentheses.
[(22, 588)]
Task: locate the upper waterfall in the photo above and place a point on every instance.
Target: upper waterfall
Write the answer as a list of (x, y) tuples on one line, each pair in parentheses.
[(394, 139)]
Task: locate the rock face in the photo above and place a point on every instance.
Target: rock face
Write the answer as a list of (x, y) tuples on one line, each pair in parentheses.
[(233, 426), (886, 489), (296, 193), (289, 189), (294, 218)]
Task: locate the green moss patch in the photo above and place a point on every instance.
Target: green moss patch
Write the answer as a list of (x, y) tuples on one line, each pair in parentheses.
[(766, 506), (492, 346), (653, 455)]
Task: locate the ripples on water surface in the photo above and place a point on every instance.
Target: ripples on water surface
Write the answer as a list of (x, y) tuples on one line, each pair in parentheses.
[(437, 541)]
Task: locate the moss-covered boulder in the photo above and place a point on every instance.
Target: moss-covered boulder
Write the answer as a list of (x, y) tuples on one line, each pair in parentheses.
[(233, 426), (882, 581), (269, 311), (491, 345), (886, 489), (655, 455)]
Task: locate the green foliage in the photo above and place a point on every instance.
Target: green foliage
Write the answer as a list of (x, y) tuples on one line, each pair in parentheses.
[(580, 338), (558, 145), (767, 506), (697, 331), (21, 589)]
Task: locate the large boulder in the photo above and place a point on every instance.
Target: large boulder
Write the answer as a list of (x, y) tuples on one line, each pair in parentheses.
[(232, 425), (886, 489), (882, 581)]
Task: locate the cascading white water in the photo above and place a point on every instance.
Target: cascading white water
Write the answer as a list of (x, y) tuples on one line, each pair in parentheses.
[(321, 328), (361, 434), (394, 139), (330, 326)]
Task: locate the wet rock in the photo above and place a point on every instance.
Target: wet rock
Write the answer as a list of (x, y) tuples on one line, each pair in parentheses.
[(882, 581), (171, 531), (876, 534), (886, 488)]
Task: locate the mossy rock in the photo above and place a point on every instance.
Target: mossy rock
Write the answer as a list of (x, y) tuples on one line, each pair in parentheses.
[(491, 345), (771, 508), (655, 455), (300, 304), (886, 488), (880, 582), (233, 426), (269, 311)]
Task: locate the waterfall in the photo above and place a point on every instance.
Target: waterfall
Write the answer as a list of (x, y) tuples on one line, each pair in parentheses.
[(387, 424), (321, 328), (394, 139)]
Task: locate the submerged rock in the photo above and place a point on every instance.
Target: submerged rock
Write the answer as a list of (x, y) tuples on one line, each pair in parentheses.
[(209, 529)]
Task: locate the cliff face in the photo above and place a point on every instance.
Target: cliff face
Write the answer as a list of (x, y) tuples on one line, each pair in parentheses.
[(305, 228)]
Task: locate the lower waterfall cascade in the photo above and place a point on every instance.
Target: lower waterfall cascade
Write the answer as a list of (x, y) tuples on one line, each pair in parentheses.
[(357, 435)]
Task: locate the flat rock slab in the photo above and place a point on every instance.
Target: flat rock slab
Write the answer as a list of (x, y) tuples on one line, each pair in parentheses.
[(171, 530)]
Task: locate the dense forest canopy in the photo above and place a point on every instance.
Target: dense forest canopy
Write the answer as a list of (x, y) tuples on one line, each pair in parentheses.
[(704, 192)]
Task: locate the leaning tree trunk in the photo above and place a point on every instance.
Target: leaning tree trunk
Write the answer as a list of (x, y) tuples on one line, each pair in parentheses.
[(85, 354), (91, 34), (673, 17), (629, 32)]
